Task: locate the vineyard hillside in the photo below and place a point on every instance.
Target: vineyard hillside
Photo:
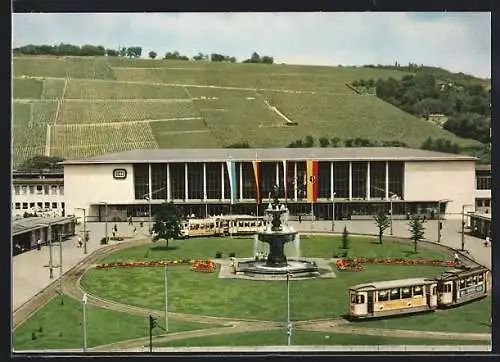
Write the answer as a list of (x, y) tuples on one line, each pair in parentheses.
[(75, 107)]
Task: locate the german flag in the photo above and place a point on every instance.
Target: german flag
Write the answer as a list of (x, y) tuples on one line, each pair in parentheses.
[(256, 174), (312, 180)]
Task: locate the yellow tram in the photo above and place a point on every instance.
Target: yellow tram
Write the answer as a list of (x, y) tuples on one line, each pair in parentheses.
[(459, 286), (222, 225), (393, 297)]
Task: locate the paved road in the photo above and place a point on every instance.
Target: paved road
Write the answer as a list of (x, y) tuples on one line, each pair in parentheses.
[(29, 276)]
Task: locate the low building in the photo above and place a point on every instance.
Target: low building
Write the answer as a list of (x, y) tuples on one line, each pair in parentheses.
[(321, 182), (27, 231), (38, 192)]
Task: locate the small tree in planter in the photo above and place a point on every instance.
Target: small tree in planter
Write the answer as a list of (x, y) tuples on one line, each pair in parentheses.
[(345, 239), (383, 222), (416, 230)]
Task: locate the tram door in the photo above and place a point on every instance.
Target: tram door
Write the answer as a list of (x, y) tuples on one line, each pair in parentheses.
[(370, 302)]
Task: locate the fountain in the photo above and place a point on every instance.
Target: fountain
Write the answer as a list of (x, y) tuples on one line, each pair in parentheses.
[(277, 233)]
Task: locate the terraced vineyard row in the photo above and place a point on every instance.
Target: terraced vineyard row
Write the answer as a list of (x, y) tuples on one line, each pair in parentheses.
[(52, 88), (74, 141), (89, 68), (26, 88), (104, 112)]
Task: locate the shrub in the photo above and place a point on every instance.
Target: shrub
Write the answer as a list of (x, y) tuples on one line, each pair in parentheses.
[(232, 255), (33, 336), (218, 255)]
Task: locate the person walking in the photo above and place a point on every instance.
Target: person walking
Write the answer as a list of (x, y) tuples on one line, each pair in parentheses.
[(39, 244), (456, 258), (130, 221), (80, 241)]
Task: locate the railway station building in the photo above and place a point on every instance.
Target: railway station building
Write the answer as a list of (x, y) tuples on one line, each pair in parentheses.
[(319, 183)]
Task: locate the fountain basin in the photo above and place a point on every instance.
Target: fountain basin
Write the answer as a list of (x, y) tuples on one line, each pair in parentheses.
[(294, 267)]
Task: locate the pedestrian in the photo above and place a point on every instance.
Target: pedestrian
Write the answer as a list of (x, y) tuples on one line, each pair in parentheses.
[(300, 218), (456, 258), (487, 241), (135, 229), (80, 241), (114, 234), (116, 228), (39, 244), (130, 221), (18, 248)]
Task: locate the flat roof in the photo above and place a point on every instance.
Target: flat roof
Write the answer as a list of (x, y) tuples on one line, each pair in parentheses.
[(391, 284), (24, 225), (270, 154)]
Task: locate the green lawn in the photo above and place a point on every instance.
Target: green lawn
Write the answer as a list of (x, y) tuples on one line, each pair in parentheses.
[(206, 294), (279, 338), (469, 318), (59, 326)]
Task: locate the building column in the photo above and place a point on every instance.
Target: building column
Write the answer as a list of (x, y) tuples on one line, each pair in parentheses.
[(331, 180), (296, 181), (169, 190), (186, 189), (277, 173), (222, 179), (387, 180), (205, 181), (150, 183), (368, 181), (350, 180), (241, 180)]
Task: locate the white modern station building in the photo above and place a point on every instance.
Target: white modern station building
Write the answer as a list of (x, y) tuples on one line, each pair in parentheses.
[(320, 182)]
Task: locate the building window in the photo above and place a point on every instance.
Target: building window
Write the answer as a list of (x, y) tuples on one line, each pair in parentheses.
[(25, 206), (359, 179), (24, 189), (177, 181), (16, 189), (249, 187), (159, 181), (341, 179), (479, 202), (46, 189), (32, 205), (39, 189), (62, 205), (54, 205), (18, 205), (47, 205), (396, 177), (486, 203), (32, 189), (195, 181), (214, 183), (377, 180), (323, 180), (141, 181), (61, 190), (483, 182), (53, 189), (39, 204), (267, 180)]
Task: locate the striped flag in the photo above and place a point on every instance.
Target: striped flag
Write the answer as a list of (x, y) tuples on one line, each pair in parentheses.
[(284, 178), (256, 174), (231, 170), (312, 180)]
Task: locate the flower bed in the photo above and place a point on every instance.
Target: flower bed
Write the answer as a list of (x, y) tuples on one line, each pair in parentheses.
[(354, 264), (207, 266)]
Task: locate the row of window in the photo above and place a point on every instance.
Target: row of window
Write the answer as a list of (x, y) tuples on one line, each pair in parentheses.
[(38, 189), (483, 202), (471, 281), (392, 294), (40, 205), (483, 182)]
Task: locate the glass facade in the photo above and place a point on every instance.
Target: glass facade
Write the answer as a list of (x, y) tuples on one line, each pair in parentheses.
[(341, 179), (177, 181), (249, 188), (214, 180), (396, 178), (195, 181), (377, 180), (159, 181), (267, 179), (359, 171), (141, 180), (324, 185)]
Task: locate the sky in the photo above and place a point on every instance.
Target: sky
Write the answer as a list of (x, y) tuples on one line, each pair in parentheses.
[(459, 42)]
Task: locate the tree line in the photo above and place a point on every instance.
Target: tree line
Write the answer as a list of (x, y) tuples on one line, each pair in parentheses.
[(130, 52), (310, 141)]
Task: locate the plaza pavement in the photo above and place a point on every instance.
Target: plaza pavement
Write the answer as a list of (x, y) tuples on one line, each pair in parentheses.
[(29, 275)]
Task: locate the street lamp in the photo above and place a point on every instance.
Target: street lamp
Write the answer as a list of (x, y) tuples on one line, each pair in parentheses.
[(84, 229), (148, 197), (463, 225), (84, 322), (393, 195), (288, 322), (333, 211), (439, 218)]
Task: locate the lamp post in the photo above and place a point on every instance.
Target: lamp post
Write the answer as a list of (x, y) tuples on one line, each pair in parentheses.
[(60, 268), (463, 225), (288, 320), (166, 299), (333, 211), (84, 229), (392, 196), (439, 219), (105, 219), (148, 197), (84, 322)]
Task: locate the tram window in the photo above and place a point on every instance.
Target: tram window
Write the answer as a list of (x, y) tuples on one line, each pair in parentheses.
[(405, 293), (468, 282), (383, 295), (395, 294), (480, 278), (360, 299), (434, 290), (418, 291), (462, 283), (353, 298), (447, 288), (474, 279)]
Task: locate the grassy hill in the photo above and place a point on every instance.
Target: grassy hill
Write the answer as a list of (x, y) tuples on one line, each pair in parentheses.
[(75, 107)]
